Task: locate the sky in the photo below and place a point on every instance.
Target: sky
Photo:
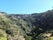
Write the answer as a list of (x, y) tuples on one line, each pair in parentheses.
[(25, 6)]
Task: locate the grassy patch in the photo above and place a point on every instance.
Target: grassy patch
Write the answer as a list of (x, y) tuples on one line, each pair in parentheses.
[(3, 35)]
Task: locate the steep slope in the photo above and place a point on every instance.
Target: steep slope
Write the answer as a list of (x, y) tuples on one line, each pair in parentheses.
[(37, 26), (10, 28), (38, 23)]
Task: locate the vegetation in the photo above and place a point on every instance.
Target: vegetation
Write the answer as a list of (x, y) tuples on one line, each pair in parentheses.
[(3, 35), (37, 26)]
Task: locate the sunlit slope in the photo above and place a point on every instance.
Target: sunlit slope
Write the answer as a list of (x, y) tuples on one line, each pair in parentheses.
[(3, 35), (27, 27), (12, 30)]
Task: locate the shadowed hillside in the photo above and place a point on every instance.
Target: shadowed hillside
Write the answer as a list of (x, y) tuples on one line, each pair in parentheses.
[(36, 26)]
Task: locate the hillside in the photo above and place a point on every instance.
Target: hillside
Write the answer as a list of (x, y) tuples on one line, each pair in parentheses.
[(36, 26)]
